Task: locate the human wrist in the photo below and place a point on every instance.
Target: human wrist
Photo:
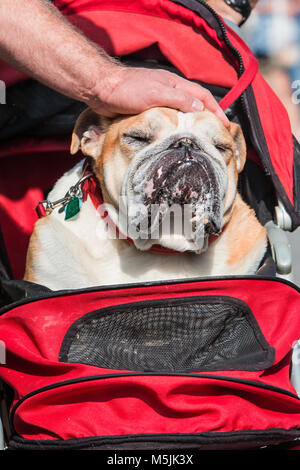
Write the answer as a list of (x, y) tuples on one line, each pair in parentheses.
[(106, 78)]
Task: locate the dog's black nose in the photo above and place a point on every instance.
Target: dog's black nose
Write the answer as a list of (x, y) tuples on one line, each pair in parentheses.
[(184, 142), (186, 146)]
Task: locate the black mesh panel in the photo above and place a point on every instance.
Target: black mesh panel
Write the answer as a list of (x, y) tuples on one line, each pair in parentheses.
[(211, 333)]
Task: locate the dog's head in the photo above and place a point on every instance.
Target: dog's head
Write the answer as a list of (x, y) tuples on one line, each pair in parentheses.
[(163, 159)]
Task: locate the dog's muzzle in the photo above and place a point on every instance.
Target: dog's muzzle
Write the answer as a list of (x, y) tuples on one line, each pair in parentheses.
[(181, 175)]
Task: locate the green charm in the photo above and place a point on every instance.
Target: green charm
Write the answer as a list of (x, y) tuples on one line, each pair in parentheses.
[(72, 208)]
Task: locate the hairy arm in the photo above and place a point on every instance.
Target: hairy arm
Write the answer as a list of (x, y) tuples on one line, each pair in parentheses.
[(37, 40)]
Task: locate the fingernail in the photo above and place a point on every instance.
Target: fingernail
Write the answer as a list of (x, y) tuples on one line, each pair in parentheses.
[(197, 105)]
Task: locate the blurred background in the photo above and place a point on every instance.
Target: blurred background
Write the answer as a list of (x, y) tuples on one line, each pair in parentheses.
[(273, 34)]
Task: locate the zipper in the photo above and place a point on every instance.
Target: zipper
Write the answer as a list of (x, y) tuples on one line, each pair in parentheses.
[(56, 385), (233, 49)]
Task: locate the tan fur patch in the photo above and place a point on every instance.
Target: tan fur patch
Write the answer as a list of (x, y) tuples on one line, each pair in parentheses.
[(243, 221), (171, 114)]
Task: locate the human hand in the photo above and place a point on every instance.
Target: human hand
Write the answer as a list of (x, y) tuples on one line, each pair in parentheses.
[(71, 64), (131, 90)]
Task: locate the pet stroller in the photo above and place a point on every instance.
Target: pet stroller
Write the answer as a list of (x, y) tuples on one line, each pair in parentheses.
[(200, 364)]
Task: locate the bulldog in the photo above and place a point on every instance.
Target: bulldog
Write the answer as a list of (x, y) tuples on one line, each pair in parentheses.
[(167, 204)]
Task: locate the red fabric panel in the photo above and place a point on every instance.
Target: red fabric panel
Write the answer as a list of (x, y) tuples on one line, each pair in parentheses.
[(33, 334), (277, 131), (28, 168), (143, 24), (150, 405), (130, 32)]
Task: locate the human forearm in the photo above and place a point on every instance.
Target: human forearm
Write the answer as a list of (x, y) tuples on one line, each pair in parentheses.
[(36, 39)]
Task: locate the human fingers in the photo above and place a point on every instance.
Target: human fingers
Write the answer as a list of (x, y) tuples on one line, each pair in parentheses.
[(140, 90), (162, 95), (200, 93), (203, 95)]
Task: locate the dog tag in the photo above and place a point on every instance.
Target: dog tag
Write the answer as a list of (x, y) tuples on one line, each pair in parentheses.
[(72, 208)]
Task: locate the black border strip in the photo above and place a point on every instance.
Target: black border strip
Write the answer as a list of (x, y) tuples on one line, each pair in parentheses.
[(70, 292), (267, 350), (202, 441)]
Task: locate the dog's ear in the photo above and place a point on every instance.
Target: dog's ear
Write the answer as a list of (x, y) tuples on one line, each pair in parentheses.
[(240, 149), (88, 133)]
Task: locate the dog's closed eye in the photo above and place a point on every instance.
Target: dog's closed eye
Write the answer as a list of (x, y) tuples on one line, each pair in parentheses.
[(225, 151), (222, 147), (137, 138)]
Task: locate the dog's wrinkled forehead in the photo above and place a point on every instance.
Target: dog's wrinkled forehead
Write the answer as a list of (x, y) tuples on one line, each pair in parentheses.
[(159, 123), (102, 138)]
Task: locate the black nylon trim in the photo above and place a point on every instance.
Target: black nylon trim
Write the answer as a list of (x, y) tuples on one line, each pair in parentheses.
[(69, 292), (201, 441)]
